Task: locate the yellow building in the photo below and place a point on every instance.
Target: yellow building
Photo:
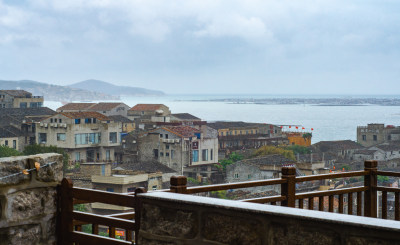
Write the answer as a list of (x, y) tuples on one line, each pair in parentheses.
[(297, 138)]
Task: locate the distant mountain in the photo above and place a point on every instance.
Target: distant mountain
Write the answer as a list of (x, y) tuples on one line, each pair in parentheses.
[(105, 87), (56, 92)]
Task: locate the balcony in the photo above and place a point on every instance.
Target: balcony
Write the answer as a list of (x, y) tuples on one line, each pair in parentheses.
[(176, 216)]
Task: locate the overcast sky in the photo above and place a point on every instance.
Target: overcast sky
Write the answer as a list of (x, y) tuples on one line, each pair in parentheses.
[(206, 46)]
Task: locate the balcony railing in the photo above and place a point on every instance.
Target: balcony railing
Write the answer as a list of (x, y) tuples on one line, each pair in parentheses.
[(70, 228), (363, 201)]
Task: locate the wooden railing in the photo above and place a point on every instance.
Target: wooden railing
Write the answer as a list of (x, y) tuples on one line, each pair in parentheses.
[(362, 200), (71, 221)]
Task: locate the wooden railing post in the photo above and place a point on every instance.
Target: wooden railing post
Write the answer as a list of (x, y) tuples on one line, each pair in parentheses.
[(288, 189), (67, 207), (138, 214), (178, 184), (370, 195)]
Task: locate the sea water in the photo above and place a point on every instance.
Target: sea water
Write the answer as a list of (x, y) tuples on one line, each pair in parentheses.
[(328, 122)]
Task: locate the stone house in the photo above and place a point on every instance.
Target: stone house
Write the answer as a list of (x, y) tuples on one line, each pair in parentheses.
[(126, 124), (86, 136), (20, 124), (19, 99), (266, 167), (179, 146), (150, 113), (376, 133), (343, 149), (389, 151), (105, 108), (12, 137), (373, 154), (239, 135)]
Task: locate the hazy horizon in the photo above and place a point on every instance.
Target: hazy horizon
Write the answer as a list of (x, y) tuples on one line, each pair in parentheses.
[(206, 47)]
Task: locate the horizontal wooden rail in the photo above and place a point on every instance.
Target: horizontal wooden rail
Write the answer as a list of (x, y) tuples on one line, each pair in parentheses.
[(101, 220), (330, 192), (331, 176), (228, 186), (388, 189), (90, 195), (387, 173), (90, 239), (127, 215), (265, 199)]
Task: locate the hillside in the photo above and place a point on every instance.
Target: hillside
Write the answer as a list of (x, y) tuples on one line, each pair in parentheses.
[(56, 92), (105, 87)]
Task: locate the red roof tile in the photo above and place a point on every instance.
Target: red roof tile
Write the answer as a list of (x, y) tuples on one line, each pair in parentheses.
[(86, 114), (146, 107), (76, 106), (102, 106), (184, 131)]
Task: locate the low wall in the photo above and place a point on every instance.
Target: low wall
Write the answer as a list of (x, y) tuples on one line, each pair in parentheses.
[(28, 202), (176, 219)]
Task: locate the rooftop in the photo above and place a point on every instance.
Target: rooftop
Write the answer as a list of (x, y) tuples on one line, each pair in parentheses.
[(147, 167), (185, 116), (119, 118), (183, 131), (146, 107), (75, 106), (232, 125), (85, 114), (17, 93), (325, 146), (103, 106)]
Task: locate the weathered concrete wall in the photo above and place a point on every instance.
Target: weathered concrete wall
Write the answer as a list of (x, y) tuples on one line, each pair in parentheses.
[(176, 219), (28, 202)]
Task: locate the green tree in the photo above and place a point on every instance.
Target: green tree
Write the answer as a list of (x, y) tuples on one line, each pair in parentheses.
[(6, 151), (233, 157), (38, 149), (271, 150), (298, 149)]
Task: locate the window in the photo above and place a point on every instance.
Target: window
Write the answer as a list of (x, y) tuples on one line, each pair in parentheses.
[(109, 189), (364, 137), (375, 138), (94, 120), (167, 147), (42, 138), (60, 120), (195, 156), (167, 154), (211, 154), (154, 187), (88, 120), (14, 144), (166, 136), (131, 189), (204, 155), (161, 154), (142, 112), (161, 135), (61, 137), (113, 137), (249, 176), (155, 152), (389, 137), (89, 138), (172, 154), (6, 143), (77, 156), (107, 155), (77, 121), (236, 176), (51, 120), (23, 105)]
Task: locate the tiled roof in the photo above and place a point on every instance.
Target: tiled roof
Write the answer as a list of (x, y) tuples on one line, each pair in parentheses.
[(146, 107), (86, 114), (268, 160), (390, 147), (184, 131), (325, 146), (17, 115), (185, 116), (75, 106), (17, 93), (10, 131), (103, 106), (223, 125), (147, 167), (119, 118), (365, 152)]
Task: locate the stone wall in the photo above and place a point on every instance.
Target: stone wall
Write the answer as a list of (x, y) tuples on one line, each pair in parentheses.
[(28, 202), (176, 219)]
